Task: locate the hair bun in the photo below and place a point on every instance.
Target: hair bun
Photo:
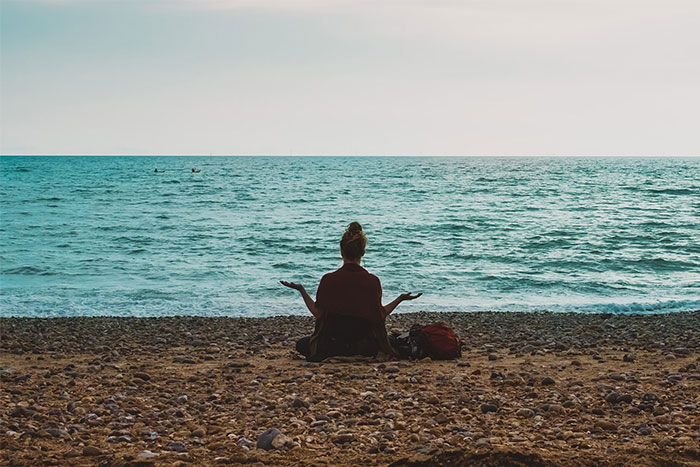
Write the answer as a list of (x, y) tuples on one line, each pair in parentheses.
[(354, 228)]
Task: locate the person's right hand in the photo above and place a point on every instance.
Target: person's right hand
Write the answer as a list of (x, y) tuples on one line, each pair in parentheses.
[(408, 296), (292, 285)]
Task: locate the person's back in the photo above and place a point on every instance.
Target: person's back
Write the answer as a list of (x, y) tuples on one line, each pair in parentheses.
[(351, 291)]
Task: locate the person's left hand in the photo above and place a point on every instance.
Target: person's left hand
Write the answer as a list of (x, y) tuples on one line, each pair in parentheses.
[(408, 296), (292, 285)]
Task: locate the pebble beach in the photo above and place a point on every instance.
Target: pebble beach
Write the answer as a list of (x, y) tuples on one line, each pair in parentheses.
[(530, 389)]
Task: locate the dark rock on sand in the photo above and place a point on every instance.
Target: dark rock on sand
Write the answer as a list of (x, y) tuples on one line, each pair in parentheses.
[(91, 451), (265, 439), (176, 446), (616, 397), (525, 413)]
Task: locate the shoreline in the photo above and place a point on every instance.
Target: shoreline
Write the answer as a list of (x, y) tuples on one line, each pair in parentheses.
[(530, 389)]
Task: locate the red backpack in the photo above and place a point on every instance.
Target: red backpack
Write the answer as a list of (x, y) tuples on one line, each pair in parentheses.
[(437, 341)]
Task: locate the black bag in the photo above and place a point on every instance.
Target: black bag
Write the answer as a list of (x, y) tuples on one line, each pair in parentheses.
[(404, 346)]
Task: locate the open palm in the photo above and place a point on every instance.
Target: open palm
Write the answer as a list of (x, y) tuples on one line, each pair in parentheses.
[(292, 285), (408, 296)]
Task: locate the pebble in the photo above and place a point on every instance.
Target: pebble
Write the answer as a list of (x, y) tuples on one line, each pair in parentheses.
[(548, 381), (486, 408), (145, 455), (175, 446), (344, 438), (606, 425), (142, 376), (299, 403), (525, 413), (91, 451), (281, 441), (265, 439), (616, 397)]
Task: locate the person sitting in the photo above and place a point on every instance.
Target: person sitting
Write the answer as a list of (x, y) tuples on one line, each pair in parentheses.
[(348, 311)]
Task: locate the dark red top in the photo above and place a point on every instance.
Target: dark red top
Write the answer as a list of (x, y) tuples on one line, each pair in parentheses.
[(351, 291)]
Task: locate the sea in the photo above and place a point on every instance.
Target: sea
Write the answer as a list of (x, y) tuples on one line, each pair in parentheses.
[(111, 236)]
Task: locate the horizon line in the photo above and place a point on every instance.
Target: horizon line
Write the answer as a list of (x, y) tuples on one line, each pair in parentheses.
[(350, 155)]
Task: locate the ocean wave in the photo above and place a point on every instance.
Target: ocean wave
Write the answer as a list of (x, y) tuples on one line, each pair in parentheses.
[(671, 191), (27, 271), (667, 306)]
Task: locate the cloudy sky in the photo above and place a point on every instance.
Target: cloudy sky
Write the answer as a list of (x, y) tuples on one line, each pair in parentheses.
[(411, 77)]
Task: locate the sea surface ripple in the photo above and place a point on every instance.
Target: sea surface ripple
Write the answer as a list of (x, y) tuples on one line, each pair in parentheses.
[(109, 236)]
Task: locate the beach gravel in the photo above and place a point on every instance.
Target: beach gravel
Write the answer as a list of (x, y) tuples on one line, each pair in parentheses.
[(563, 389)]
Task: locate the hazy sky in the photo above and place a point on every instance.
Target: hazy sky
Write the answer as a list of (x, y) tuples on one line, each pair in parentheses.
[(423, 77)]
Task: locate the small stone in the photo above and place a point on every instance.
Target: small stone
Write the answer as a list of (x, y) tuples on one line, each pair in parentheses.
[(281, 441), (57, 432), (198, 432), (625, 398), (145, 455), (644, 430), (175, 446), (628, 357), (493, 356), (343, 438), (298, 402), (663, 419), (486, 408), (266, 438), (556, 409), (525, 413), (142, 376), (91, 451), (548, 381), (606, 425)]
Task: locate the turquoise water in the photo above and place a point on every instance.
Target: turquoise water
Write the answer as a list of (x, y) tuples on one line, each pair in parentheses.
[(107, 235)]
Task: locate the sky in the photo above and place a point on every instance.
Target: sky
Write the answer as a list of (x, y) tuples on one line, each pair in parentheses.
[(359, 77)]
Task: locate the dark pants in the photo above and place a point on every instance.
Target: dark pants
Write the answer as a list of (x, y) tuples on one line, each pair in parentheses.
[(365, 348), (303, 346)]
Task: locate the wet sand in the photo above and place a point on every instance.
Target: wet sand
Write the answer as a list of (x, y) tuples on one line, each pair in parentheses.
[(530, 389)]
